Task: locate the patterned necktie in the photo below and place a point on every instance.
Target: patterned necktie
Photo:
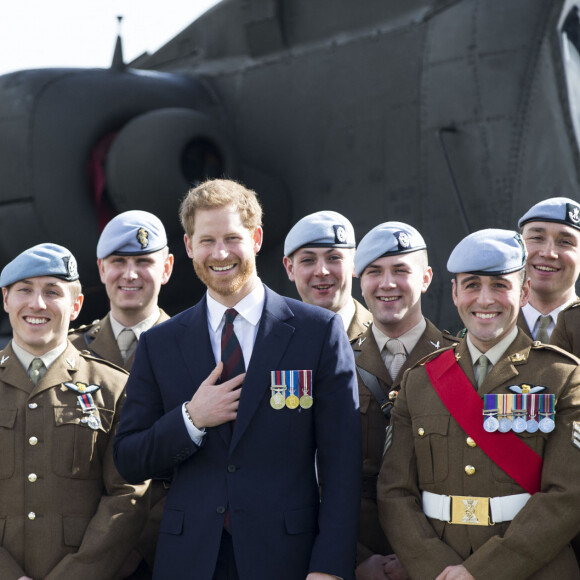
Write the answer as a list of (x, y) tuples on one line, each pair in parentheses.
[(483, 365), (34, 370), (232, 356), (127, 342), (397, 350), (542, 334)]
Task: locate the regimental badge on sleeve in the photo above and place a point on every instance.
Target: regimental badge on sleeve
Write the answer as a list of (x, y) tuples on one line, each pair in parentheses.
[(576, 434)]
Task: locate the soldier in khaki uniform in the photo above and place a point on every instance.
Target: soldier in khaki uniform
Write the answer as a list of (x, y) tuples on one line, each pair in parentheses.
[(551, 232), (566, 334), (65, 512), (134, 263), (448, 508), (319, 258), (391, 261)]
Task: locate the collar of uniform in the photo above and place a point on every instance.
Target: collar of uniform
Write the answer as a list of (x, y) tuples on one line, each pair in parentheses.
[(250, 307), (47, 358), (409, 339), (347, 313), (532, 316), (494, 354), (139, 328)]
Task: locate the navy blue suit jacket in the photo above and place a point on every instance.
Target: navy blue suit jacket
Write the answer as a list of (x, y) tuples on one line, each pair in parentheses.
[(263, 472)]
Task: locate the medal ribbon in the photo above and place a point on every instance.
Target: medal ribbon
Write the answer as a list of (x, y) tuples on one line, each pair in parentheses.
[(86, 402), (506, 450)]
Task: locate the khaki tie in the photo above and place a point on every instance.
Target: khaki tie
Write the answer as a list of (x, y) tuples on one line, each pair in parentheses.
[(34, 370), (483, 365), (127, 342), (397, 350), (542, 334)]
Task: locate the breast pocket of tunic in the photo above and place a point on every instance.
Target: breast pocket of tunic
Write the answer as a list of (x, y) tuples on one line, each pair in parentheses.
[(431, 447), (7, 442), (76, 448)]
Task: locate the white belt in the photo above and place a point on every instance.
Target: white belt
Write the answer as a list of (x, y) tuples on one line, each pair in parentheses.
[(470, 510)]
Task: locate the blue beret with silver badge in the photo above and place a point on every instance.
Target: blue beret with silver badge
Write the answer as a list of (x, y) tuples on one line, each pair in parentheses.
[(323, 229), (561, 210), (132, 233), (491, 252), (41, 260), (388, 239)]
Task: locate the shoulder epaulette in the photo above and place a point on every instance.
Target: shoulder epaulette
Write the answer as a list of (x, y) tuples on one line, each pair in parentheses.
[(88, 356), (541, 345), (83, 327), (434, 354)]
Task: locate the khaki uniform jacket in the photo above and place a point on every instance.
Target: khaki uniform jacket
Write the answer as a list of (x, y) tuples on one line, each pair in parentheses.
[(523, 325), (65, 512), (371, 538), (99, 340), (566, 333), (429, 452), (360, 321)]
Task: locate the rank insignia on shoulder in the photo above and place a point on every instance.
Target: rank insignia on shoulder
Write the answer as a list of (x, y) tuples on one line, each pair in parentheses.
[(518, 357), (576, 434)]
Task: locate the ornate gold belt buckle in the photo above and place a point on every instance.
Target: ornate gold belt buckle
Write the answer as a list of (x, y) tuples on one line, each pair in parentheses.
[(470, 511)]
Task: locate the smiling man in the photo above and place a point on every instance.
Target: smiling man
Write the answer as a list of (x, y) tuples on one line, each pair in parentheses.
[(237, 396), (134, 262), (551, 232), (65, 510), (481, 478), (319, 259), (394, 272)]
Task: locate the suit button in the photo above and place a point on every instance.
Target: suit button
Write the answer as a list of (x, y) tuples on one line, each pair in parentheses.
[(471, 442), (33, 441), (31, 516), (220, 509), (32, 405), (469, 469), (231, 468), (32, 477)]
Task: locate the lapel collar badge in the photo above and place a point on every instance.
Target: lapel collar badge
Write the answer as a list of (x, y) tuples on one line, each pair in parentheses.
[(457, 356), (4, 359), (517, 357), (361, 340), (435, 344), (70, 362)]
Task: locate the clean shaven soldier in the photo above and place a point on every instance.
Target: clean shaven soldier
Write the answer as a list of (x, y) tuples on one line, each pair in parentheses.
[(482, 475), (134, 264), (551, 232), (392, 264), (319, 259), (65, 512)]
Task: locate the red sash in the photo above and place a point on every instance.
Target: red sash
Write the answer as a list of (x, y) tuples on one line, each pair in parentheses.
[(506, 450)]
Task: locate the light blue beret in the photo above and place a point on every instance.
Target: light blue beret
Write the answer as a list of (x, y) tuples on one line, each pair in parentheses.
[(490, 252), (132, 233), (561, 210), (41, 260), (388, 239), (323, 229)]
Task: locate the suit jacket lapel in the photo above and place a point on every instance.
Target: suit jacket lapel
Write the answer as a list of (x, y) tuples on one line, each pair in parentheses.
[(272, 339)]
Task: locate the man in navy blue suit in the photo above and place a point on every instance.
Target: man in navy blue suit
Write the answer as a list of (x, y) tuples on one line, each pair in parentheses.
[(236, 396)]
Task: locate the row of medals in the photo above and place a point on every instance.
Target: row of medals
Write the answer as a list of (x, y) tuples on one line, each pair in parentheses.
[(518, 424), (278, 401)]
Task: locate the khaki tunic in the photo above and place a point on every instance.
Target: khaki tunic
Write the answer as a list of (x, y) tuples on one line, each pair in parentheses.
[(371, 538), (360, 321), (523, 325), (429, 452), (566, 333), (99, 340), (65, 512)]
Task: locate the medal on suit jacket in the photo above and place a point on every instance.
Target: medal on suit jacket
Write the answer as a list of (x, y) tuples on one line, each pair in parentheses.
[(86, 402), (306, 389), (292, 400), (524, 410), (547, 403), (278, 398)]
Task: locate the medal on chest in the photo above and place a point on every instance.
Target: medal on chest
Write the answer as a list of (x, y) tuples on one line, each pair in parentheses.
[(86, 403)]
